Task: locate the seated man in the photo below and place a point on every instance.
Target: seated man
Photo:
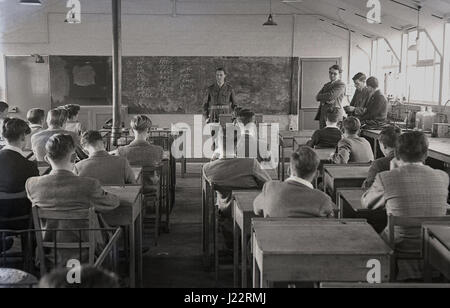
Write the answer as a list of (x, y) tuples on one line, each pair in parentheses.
[(229, 172), (63, 190), (140, 152), (249, 145), (72, 124), (388, 142), (329, 136), (3, 114), (108, 169), (35, 119), (375, 114), (296, 197), (56, 119), (353, 148), (409, 189), (361, 98), (15, 170)]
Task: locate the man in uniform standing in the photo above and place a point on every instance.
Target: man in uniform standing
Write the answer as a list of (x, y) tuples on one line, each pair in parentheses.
[(220, 99), (331, 95)]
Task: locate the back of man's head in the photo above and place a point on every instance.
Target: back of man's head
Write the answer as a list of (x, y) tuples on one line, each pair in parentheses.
[(352, 125), (91, 138), (333, 115), (60, 148), (412, 147), (57, 118), (373, 82), (36, 116), (141, 123), (246, 116), (3, 108), (304, 162), (389, 136)]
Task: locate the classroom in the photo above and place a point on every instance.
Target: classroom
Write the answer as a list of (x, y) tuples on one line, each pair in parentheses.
[(225, 144)]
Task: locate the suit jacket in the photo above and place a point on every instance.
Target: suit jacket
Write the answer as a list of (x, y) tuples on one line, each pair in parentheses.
[(108, 169), (378, 166), (15, 170), (376, 110), (63, 190), (39, 140), (232, 174), (34, 130), (292, 199), (219, 101), (331, 95), (413, 191), (360, 100), (353, 150)]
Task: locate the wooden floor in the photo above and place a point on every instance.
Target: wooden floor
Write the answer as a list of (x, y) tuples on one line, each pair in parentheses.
[(177, 260)]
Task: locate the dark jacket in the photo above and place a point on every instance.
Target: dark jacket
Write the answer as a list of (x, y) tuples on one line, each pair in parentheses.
[(331, 95), (378, 166), (376, 111), (15, 170), (219, 101)]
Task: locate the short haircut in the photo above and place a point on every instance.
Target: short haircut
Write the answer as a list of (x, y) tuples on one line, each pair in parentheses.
[(412, 147), (333, 114), (389, 136), (59, 146), (35, 116), (305, 161), (352, 125), (373, 82), (3, 106), (91, 137), (72, 110), (91, 278), (57, 117), (141, 123), (14, 129), (338, 68), (246, 116), (221, 69), (360, 77)]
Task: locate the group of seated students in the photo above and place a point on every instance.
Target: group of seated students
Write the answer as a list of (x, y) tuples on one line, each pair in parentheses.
[(70, 185)]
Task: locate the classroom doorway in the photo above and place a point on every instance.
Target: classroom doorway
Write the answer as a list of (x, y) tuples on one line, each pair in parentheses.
[(313, 75)]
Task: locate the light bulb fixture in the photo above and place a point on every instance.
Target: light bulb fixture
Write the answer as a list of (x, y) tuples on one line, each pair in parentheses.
[(415, 47), (270, 21), (30, 2)]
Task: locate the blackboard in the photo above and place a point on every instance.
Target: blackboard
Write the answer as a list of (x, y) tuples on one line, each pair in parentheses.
[(178, 85), (83, 80)]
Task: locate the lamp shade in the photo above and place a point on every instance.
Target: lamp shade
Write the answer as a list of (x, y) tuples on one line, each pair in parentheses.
[(270, 21)]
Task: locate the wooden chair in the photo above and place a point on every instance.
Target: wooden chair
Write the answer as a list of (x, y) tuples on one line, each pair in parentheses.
[(408, 222), (158, 198), (26, 247), (87, 215)]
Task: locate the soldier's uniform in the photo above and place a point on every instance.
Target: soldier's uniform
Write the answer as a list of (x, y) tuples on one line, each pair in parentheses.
[(220, 100)]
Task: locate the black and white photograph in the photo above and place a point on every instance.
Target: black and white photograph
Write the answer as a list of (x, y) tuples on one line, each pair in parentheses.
[(227, 150)]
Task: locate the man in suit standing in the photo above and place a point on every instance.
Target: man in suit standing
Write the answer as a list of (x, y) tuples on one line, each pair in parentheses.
[(296, 197), (331, 95), (220, 98), (375, 113), (409, 189), (108, 169), (63, 190)]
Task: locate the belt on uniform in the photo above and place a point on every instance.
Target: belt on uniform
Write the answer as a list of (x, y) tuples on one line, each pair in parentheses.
[(219, 107)]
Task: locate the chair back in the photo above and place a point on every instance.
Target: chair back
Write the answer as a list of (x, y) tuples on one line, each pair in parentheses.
[(87, 215), (11, 198), (410, 222)]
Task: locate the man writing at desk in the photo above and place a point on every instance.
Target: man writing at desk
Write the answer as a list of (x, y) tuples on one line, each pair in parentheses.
[(331, 95), (220, 98)]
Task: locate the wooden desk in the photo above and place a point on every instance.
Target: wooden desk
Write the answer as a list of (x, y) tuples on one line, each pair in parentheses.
[(313, 250), (242, 219), (129, 214), (324, 154), (349, 204), (436, 250), (339, 176)]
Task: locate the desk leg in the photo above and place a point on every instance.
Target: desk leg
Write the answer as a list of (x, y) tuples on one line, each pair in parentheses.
[(255, 274), (244, 255), (216, 240), (428, 270), (139, 250), (235, 252), (132, 255)]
